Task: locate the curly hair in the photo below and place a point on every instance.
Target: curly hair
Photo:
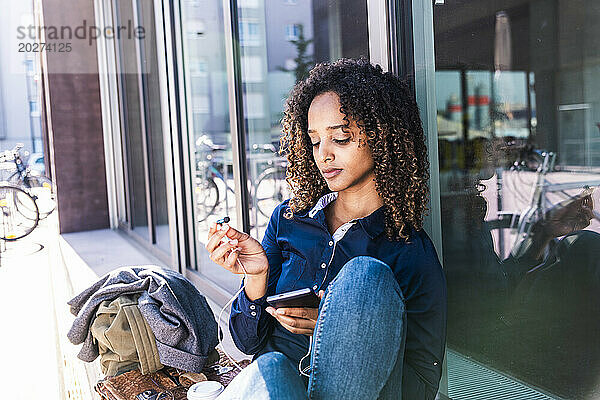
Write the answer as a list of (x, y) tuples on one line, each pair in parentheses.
[(386, 112)]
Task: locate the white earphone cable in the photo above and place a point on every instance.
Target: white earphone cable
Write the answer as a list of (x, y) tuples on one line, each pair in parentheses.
[(305, 370)]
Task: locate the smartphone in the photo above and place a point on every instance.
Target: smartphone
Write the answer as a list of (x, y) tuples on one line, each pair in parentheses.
[(296, 298)]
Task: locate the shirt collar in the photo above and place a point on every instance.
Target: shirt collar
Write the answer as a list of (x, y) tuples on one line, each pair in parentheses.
[(322, 203), (373, 224)]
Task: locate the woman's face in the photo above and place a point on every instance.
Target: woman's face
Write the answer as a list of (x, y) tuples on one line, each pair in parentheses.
[(343, 164)]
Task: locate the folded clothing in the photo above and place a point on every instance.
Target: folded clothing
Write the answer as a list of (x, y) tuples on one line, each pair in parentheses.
[(125, 340), (179, 317)]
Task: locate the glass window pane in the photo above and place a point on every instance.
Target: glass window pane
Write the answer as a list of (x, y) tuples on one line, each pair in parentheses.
[(132, 128), (518, 114), (208, 126), (280, 42), (154, 127)]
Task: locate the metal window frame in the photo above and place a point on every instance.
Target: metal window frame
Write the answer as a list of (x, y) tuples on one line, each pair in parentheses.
[(395, 26), (183, 176), (125, 224), (424, 70), (390, 36), (145, 126), (110, 117), (379, 33), (424, 80), (401, 35), (236, 112), (169, 129)]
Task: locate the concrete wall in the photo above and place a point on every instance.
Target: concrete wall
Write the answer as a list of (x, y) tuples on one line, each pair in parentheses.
[(74, 121)]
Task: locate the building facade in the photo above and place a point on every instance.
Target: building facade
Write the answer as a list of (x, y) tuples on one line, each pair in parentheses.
[(183, 121), (20, 116)]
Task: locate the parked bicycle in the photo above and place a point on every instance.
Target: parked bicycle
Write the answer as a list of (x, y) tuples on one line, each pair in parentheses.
[(271, 188), (38, 186), (19, 214), (539, 206), (211, 185), (207, 191)]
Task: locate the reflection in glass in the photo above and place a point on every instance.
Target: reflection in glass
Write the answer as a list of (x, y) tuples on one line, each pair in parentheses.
[(280, 42), (519, 163)]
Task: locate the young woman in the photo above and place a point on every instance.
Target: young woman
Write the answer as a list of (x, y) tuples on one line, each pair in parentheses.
[(352, 231)]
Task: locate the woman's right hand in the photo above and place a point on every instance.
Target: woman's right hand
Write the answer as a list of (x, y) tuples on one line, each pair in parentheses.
[(243, 247)]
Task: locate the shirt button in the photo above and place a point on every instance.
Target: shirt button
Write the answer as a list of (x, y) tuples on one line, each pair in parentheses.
[(252, 306), (323, 265), (331, 243), (253, 313), (315, 287), (435, 363)]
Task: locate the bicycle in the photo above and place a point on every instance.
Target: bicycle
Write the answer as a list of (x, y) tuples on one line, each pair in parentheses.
[(207, 191), (538, 204), (271, 188), (19, 214), (207, 194), (39, 187), (268, 190)]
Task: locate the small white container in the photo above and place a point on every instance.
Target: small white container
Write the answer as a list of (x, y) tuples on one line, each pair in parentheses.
[(206, 390)]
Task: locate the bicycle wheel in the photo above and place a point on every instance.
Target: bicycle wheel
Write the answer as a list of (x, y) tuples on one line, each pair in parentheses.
[(43, 191), (19, 214), (206, 193), (270, 190)]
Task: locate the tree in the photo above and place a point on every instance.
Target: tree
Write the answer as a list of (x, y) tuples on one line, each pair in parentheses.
[(303, 61)]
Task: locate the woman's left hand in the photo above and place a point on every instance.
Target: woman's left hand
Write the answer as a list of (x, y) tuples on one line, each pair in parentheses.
[(300, 320)]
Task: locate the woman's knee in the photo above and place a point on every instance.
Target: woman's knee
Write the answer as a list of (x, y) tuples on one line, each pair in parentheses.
[(272, 359), (269, 366), (270, 376), (370, 274), (365, 267)]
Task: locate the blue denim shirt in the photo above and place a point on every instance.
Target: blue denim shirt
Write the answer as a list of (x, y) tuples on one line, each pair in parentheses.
[(302, 253)]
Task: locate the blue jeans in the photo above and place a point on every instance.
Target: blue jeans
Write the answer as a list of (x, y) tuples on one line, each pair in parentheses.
[(357, 348)]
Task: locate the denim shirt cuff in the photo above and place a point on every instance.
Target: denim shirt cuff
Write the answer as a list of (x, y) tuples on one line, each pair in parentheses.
[(251, 309)]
